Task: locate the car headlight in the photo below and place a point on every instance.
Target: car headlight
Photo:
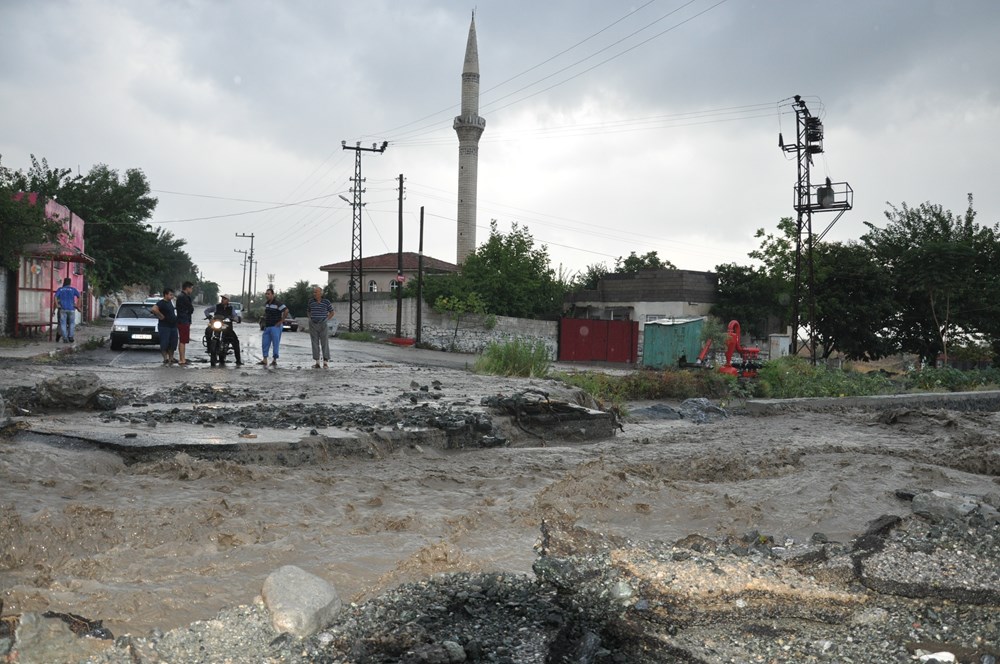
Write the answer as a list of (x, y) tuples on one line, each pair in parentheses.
[(216, 324), (120, 328)]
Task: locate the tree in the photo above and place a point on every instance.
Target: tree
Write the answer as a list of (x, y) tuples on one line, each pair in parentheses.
[(590, 277), (648, 261), (457, 307), (508, 274), (777, 250), (943, 271), (760, 297), (115, 210), (297, 297), (751, 296), (21, 221), (170, 265), (209, 291), (852, 294), (854, 302)]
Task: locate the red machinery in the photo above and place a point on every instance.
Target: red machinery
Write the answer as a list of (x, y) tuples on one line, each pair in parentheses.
[(748, 361)]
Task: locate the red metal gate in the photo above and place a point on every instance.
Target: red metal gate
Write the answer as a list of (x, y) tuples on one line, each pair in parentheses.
[(588, 340)]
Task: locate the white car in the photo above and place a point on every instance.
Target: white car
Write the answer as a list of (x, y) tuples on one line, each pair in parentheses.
[(134, 324)]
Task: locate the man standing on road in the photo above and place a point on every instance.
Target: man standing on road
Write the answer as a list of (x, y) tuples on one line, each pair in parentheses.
[(320, 312), (274, 317), (185, 309), (68, 299), (164, 310)]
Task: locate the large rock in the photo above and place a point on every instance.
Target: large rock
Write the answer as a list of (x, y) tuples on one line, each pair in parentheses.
[(69, 391), (300, 603)]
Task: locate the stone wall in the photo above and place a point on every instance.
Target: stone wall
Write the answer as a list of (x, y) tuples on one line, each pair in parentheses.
[(438, 330)]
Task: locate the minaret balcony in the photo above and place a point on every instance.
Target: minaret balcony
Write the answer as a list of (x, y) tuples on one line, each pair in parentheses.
[(469, 121)]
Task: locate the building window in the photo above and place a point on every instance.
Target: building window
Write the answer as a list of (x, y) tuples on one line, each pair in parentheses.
[(372, 286), (393, 285)]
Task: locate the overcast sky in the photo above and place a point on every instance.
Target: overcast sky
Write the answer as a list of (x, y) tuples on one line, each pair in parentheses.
[(610, 128)]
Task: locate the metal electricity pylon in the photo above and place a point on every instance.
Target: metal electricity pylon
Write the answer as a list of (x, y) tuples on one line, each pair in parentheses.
[(355, 288), (809, 198)]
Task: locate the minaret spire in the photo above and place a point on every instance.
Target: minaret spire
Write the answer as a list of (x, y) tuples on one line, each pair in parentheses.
[(469, 126)]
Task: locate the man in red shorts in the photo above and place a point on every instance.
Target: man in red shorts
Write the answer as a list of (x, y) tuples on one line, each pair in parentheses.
[(185, 309)]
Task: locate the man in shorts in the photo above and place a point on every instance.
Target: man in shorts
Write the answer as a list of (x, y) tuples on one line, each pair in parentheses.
[(185, 309), (164, 310)]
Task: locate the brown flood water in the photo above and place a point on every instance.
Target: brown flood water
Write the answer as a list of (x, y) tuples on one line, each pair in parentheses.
[(164, 543)]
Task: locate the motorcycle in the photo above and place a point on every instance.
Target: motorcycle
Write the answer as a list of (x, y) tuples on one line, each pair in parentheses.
[(217, 340)]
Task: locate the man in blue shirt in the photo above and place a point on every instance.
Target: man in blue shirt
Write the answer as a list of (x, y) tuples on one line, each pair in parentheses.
[(68, 299)]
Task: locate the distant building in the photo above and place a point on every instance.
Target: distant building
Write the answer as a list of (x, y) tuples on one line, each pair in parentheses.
[(378, 273), (645, 296)]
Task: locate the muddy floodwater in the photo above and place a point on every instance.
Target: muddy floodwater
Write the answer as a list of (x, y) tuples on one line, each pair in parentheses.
[(162, 541)]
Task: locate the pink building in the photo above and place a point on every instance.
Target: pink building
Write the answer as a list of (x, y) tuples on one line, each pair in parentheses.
[(43, 268)]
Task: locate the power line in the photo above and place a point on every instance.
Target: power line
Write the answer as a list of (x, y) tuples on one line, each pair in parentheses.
[(450, 108), (489, 106), (676, 121)]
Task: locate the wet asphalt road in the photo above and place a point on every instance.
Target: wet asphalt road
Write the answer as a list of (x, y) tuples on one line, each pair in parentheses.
[(296, 352)]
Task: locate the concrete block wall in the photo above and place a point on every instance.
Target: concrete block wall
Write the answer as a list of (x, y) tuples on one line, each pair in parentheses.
[(696, 288), (438, 329)]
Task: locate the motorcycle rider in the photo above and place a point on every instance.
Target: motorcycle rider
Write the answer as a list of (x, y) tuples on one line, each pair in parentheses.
[(225, 310)]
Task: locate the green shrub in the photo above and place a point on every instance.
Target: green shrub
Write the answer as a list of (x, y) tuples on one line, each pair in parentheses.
[(936, 379), (514, 358), (791, 377)]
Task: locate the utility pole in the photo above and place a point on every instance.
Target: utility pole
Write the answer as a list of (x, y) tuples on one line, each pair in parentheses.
[(243, 289), (420, 277), (355, 287), (249, 300), (807, 199), (399, 266)]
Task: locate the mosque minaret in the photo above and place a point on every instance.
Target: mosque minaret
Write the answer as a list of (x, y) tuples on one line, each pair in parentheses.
[(469, 127)]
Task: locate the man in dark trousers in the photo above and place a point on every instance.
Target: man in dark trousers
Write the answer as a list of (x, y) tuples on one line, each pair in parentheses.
[(320, 312), (185, 309), (225, 310)]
